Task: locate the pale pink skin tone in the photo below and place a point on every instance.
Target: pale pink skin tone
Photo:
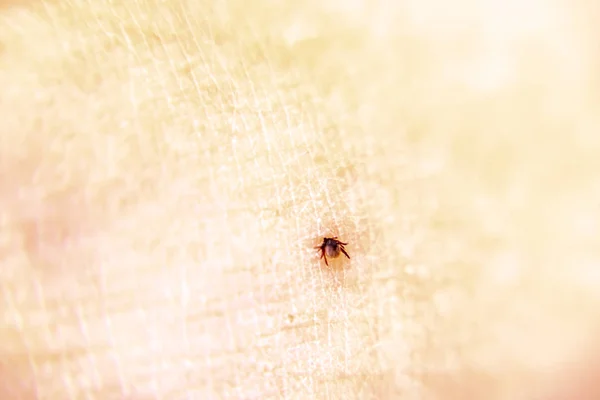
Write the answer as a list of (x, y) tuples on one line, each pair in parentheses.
[(167, 168)]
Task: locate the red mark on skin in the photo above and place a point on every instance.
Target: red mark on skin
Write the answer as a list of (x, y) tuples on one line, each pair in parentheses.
[(43, 218), (51, 230), (44, 223)]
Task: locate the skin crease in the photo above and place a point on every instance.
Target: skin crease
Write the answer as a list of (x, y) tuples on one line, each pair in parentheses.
[(166, 169)]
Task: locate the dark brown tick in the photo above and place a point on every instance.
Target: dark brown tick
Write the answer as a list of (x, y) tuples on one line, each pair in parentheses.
[(331, 247)]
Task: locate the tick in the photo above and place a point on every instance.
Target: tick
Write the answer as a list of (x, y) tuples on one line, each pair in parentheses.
[(331, 247)]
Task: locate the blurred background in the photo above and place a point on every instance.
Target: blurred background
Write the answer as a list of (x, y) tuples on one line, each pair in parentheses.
[(166, 168)]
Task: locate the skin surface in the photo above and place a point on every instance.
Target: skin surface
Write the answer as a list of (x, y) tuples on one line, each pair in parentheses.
[(167, 167)]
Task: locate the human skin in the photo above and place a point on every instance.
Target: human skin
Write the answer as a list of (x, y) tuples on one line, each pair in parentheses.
[(167, 168)]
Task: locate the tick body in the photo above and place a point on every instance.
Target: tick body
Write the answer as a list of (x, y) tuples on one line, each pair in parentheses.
[(332, 247)]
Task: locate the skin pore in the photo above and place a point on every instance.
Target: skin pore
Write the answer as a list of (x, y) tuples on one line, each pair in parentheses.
[(167, 168)]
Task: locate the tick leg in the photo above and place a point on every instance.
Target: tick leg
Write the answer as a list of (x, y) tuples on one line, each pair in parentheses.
[(326, 263), (343, 243), (344, 251)]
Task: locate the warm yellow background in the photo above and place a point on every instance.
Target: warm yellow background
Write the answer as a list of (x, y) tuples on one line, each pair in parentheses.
[(166, 168)]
